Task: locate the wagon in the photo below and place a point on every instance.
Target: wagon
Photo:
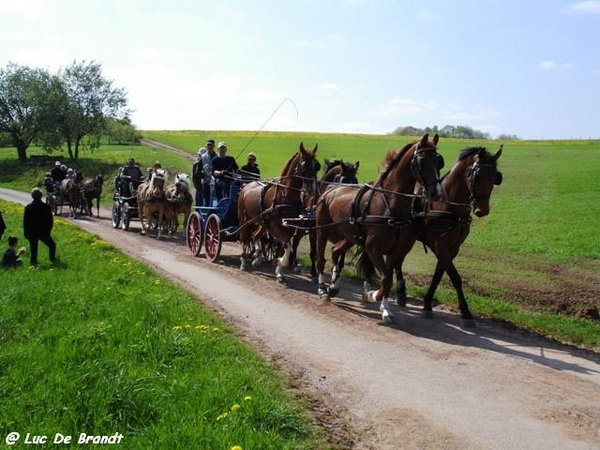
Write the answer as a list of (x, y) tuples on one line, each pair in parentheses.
[(57, 201), (125, 205), (209, 226)]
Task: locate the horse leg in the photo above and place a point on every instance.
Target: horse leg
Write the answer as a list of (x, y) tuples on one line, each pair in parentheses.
[(312, 236), (283, 262), (386, 270), (97, 207), (321, 243), (465, 313), (427, 312), (400, 284), (336, 275)]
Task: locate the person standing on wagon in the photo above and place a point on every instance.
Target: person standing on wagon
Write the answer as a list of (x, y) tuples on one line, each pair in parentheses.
[(207, 169), (224, 168), (198, 176), (37, 226), (250, 171)]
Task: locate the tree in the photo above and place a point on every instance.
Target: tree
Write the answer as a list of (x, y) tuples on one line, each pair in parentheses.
[(88, 101), (23, 96)]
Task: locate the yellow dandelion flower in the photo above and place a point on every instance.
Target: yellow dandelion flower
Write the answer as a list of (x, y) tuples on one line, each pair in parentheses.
[(222, 416), (177, 328), (236, 447), (235, 407), (157, 281), (187, 327), (247, 398), (216, 329)]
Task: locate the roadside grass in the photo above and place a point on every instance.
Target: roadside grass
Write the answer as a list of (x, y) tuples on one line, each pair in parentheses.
[(538, 241), (103, 345)]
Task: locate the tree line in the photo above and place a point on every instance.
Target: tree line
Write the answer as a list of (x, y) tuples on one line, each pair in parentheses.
[(77, 107), (454, 131)]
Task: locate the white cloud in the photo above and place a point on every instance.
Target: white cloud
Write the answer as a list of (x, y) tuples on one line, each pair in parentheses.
[(335, 37), (25, 9), (585, 7), (330, 87), (552, 65), (425, 15)]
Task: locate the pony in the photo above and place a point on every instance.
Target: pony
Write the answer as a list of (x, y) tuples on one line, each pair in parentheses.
[(443, 226), (376, 217), (179, 201), (262, 207), (91, 188), (336, 172), (70, 190), (151, 199)]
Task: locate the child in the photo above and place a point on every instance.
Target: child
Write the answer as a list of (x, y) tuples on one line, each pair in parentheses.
[(11, 255)]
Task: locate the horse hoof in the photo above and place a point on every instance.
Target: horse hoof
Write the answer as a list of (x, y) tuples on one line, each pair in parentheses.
[(333, 291), (427, 314), (281, 280), (256, 263), (387, 319), (468, 323), (367, 297), (296, 269), (401, 300), (325, 297)]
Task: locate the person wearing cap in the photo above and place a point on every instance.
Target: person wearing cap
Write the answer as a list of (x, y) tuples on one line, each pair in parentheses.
[(207, 181), (37, 226), (250, 171), (57, 173), (198, 176), (224, 168)]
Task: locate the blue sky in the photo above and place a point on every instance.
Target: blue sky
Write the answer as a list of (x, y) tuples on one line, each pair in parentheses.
[(524, 67)]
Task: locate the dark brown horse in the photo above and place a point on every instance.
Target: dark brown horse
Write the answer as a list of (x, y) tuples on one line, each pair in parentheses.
[(91, 188), (336, 172), (263, 206), (444, 225), (376, 217), (70, 191), (151, 200)]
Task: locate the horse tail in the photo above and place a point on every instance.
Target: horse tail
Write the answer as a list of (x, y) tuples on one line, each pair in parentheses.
[(364, 266)]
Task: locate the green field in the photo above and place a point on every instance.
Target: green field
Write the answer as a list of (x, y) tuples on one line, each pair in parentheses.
[(102, 344), (536, 252)]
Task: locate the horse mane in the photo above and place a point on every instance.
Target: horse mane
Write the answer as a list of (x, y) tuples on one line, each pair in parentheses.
[(391, 160), (288, 166), (470, 151)]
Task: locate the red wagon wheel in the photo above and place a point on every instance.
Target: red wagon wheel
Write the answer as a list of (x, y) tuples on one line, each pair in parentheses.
[(116, 214), (212, 237), (194, 233)]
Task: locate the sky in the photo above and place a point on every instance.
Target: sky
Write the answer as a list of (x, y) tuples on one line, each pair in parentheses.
[(529, 68)]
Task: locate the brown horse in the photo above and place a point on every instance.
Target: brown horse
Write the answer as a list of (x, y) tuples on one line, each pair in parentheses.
[(376, 217), (70, 191), (91, 188), (179, 201), (263, 206), (444, 225), (336, 172), (151, 199)]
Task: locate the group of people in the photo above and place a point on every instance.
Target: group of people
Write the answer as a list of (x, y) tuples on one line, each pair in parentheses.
[(38, 221), (58, 173), (218, 169)]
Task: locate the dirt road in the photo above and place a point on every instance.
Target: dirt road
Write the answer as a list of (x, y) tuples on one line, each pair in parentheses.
[(415, 385)]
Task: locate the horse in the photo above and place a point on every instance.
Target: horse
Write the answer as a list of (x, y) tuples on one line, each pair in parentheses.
[(336, 172), (444, 225), (262, 207), (91, 188), (179, 201), (151, 199), (376, 217), (70, 190)]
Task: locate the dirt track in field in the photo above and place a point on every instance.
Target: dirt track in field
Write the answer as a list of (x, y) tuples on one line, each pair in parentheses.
[(418, 384)]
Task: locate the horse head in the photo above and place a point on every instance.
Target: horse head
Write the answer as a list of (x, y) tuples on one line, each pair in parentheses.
[(338, 171), (157, 183), (425, 165), (306, 167), (481, 176)]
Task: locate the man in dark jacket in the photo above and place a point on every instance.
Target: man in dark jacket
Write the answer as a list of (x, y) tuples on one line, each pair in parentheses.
[(37, 225), (198, 176)]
